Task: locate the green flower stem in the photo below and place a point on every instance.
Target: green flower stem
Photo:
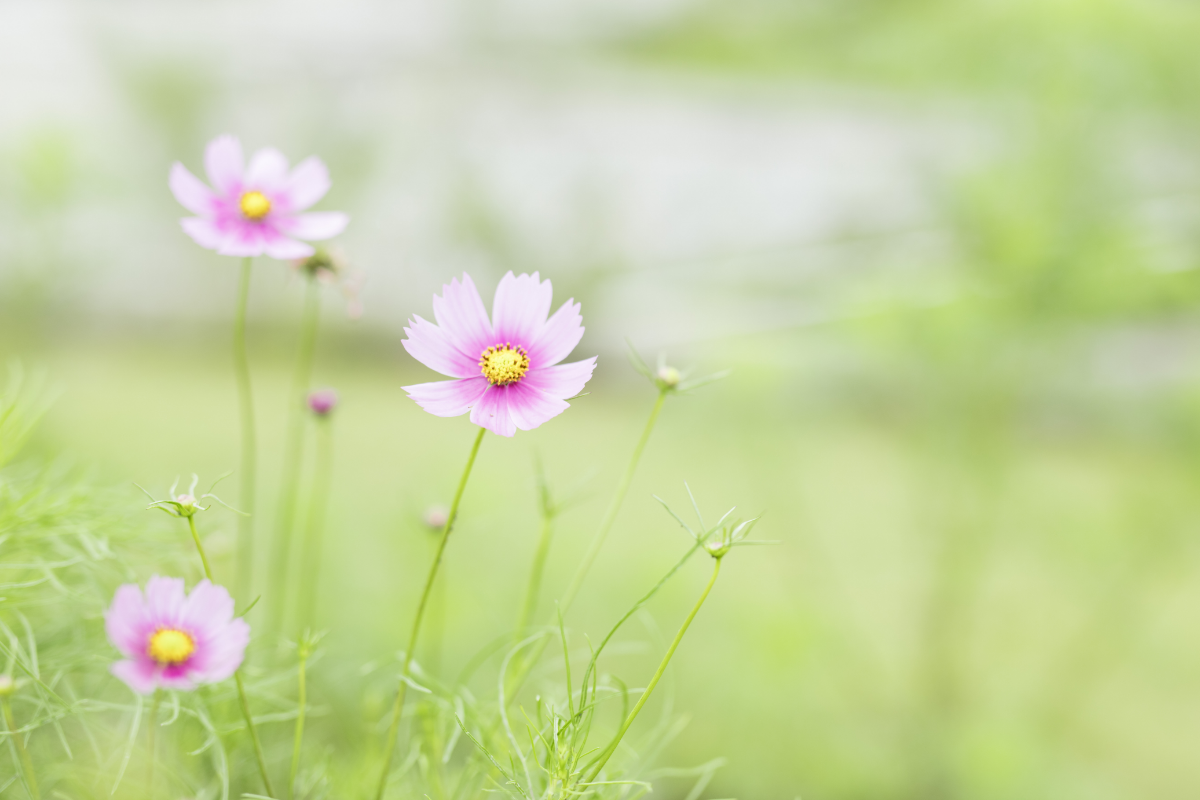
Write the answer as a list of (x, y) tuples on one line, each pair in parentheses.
[(293, 455), (249, 455), (237, 678), (533, 589), (151, 723), (299, 737), (398, 706), (662, 667), (22, 753), (610, 516), (310, 560)]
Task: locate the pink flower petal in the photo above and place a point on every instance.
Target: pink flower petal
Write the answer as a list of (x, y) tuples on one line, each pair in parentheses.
[(224, 164), (268, 171), (222, 657), (204, 232), (176, 677), (207, 611), (126, 621), (307, 184), (529, 407), (138, 675), (286, 249), (430, 345), (562, 380), (555, 340), (460, 313), (491, 411), (315, 225), (448, 398), (520, 308), (165, 598), (190, 191)]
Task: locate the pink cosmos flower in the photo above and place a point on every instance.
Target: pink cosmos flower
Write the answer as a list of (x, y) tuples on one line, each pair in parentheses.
[(507, 369), (172, 639), (256, 210)]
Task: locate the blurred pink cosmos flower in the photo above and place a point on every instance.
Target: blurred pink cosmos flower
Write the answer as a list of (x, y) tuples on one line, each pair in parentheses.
[(508, 369), (172, 639), (255, 210)]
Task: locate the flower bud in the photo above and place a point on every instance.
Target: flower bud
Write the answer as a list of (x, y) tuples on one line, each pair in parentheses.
[(187, 504), (668, 377), (7, 685), (322, 401), (436, 516)]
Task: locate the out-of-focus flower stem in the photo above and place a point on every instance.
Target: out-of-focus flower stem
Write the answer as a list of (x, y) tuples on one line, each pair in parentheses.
[(237, 678), (315, 524), (662, 668), (249, 454), (151, 724), (302, 701), (293, 454), (22, 753), (398, 706)]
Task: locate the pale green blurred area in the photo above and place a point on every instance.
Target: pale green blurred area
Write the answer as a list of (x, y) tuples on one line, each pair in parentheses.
[(948, 250)]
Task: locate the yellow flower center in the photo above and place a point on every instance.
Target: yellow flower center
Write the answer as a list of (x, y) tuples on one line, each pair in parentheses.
[(255, 205), (503, 364), (169, 646)]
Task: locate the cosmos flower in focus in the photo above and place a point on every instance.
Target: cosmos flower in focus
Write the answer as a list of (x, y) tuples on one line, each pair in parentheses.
[(507, 368), (255, 210), (172, 639)]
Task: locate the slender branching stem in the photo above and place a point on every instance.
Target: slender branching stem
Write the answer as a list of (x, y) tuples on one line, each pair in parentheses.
[(302, 701), (23, 754), (151, 738), (662, 668), (249, 454), (398, 706), (293, 454), (237, 679), (315, 523)]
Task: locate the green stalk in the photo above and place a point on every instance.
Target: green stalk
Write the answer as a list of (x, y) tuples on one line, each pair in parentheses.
[(22, 753), (533, 589), (315, 524), (151, 722), (398, 706), (237, 678), (662, 668), (249, 455), (293, 454), (299, 737)]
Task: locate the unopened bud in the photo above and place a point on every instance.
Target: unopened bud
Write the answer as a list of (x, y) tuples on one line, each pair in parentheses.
[(187, 504), (668, 377), (7, 685), (322, 401), (436, 516)]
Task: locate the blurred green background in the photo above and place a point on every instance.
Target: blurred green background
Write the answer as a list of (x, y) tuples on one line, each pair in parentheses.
[(948, 249)]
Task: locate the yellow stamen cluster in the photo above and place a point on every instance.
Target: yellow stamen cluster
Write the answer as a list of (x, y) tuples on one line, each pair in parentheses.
[(503, 364), (254, 205), (169, 646)]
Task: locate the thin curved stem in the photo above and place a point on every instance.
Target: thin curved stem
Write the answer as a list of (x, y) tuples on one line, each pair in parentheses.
[(533, 589), (22, 753), (151, 723), (662, 668), (310, 559), (398, 706), (249, 454), (293, 455), (237, 678)]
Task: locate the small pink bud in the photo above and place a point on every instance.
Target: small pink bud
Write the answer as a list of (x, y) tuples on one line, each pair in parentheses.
[(322, 401), (436, 516)]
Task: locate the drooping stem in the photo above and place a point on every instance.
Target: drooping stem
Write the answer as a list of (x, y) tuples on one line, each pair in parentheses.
[(151, 724), (22, 753), (249, 454), (398, 706), (662, 668), (315, 524), (293, 455), (237, 678), (303, 701)]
